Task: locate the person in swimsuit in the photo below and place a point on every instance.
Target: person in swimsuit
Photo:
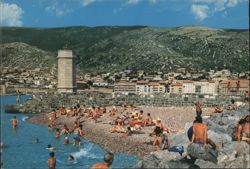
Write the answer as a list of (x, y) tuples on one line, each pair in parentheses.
[(14, 122), (58, 133), (199, 132), (158, 134), (52, 161), (108, 160), (66, 140), (243, 132), (76, 137)]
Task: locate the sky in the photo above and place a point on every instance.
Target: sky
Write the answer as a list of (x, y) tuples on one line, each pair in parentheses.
[(230, 14)]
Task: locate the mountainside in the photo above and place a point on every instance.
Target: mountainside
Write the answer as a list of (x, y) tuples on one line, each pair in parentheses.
[(19, 54), (116, 48)]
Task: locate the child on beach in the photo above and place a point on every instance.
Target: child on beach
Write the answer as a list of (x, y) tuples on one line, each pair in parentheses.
[(14, 122), (165, 142)]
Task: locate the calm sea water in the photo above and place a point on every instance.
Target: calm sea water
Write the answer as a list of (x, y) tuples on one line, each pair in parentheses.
[(20, 151)]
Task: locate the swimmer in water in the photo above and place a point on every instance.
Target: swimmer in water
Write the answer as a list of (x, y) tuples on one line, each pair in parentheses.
[(66, 140), (52, 161), (70, 158), (50, 148), (36, 140), (14, 122)]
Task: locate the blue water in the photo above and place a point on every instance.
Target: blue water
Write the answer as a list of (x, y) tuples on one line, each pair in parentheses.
[(20, 151)]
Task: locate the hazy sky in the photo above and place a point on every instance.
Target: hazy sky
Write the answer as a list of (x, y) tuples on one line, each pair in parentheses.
[(159, 13)]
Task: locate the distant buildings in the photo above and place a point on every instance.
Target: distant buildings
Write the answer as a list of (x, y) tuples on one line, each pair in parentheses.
[(186, 87), (138, 82), (125, 87)]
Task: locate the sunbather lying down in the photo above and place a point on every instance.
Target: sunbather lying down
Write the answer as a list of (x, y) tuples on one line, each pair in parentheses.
[(118, 129)]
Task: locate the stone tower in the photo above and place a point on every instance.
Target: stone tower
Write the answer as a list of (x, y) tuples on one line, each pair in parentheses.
[(66, 71)]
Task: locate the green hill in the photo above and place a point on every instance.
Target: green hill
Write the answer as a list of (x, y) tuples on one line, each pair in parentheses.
[(115, 48)]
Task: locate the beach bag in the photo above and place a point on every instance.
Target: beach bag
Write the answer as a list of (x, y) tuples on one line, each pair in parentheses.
[(178, 149)]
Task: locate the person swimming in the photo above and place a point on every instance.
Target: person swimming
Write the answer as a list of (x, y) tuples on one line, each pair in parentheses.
[(66, 140), (58, 133), (50, 148), (36, 140), (70, 158), (108, 160)]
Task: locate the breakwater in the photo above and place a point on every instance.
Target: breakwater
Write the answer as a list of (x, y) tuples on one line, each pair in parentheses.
[(44, 102)]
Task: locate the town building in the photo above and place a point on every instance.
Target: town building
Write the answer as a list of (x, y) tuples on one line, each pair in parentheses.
[(125, 87), (156, 87), (176, 88), (188, 87), (233, 87), (142, 87), (206, 87)]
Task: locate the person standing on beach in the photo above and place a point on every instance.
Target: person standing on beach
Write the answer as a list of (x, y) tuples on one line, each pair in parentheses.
[(14, 122), (198, 109), (52, 161), (108, 160)]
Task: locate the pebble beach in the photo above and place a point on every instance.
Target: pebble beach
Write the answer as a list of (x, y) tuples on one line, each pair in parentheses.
[(140, 143)]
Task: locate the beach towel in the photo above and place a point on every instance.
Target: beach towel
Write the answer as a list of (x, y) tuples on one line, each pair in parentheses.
[(178, 149)]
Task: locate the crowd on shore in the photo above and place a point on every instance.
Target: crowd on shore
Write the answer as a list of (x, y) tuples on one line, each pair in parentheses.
[(129, 120)]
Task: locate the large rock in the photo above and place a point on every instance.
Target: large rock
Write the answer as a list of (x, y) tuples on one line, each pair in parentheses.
[(215, 126), (199, 152), (233, 151), (206, 164), (238, 163), (150, 161), (219, 138)]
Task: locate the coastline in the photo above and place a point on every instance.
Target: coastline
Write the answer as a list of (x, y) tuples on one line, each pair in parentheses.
[(139, 144)]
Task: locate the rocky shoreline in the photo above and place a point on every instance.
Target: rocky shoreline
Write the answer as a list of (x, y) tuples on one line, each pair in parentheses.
[(221, 127)]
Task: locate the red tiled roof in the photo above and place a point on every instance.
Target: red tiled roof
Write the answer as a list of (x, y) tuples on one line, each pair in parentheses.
[(176, 84), (188, 81), (142, 82), (154, 84)]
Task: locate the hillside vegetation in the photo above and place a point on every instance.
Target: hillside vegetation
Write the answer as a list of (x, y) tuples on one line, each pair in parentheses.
[(116, 48)]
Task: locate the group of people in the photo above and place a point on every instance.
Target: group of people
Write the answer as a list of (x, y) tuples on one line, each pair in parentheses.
[(135, 121), (127, 121)]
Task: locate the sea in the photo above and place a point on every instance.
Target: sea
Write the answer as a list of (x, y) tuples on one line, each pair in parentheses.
[(21, 152)]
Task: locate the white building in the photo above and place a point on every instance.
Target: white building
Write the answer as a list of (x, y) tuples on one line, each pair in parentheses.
[(155, 87), (124, 87), (188, 87), (206, 87), (142, 87)]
